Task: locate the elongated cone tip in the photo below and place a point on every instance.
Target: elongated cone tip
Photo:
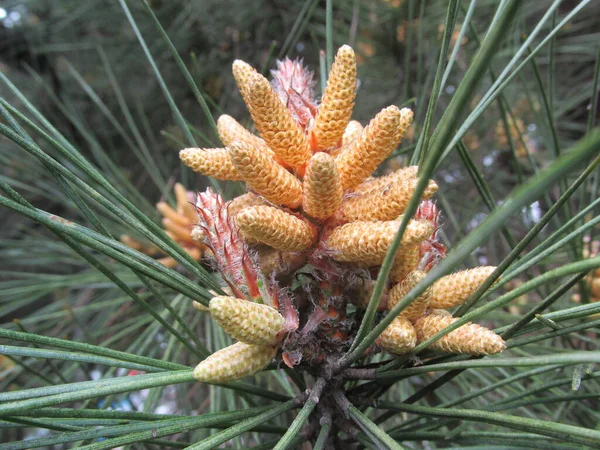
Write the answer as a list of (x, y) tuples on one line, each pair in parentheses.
[(338, 100), (234, 362), (276, 228), (265, 176), (454, 289), (418, 306), (399, 337), (323, 191), (212, 162), (470, 339), (246, 321)]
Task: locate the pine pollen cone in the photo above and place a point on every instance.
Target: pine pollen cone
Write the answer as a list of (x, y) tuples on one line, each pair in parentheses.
[(338, 100), (375, 143), (234, 362), (275, 123), (419, 305), (453, 290), (247, 321), (399, 336), (470, 338), (322, 190), (384, 203), (313, 204), (369, 241), (276, 228), (407, 261), (265, 176), (212, 162)]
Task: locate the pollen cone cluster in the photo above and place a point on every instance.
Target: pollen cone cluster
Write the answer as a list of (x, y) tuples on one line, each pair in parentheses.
[(257, 327), (314, 228), (178, 223), (428, 314)]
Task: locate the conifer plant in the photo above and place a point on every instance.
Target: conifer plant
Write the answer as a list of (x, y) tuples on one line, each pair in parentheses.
[(341, 283), (314, 207)]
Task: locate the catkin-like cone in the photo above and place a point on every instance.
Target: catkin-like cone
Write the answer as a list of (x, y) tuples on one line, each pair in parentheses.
[(184, 204), (236, 205), (263, 175), (374, 144), (166, 211), (399, 337), (455, 289), (273, 261), (384, 203), (361, 295), (419, 305), (231, 131), (352, 132), (275, 123), (470, 338), (369, 241), (212, 162), (241, 73), (405, 263), (371, 184), (246, 321), (234, 362), (322, 193), (276, 228), (336, 106), (181, 233)]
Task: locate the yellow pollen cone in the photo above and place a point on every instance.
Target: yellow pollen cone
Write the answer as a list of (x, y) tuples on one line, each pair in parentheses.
[(384, 203), (375, 143), (276, 228), (352, 132), (470, 338), (212, 162), (246, 321), (419, 305), (231, 131), (236, 205), (369, 241), (241, 73), (406, 261), (234, 362), (275, 123), (184, 206), (454, 289), (338, 100), (371, 184), (264, 176), (180, 233), (399, 337), (322, 187), (166, 211)]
